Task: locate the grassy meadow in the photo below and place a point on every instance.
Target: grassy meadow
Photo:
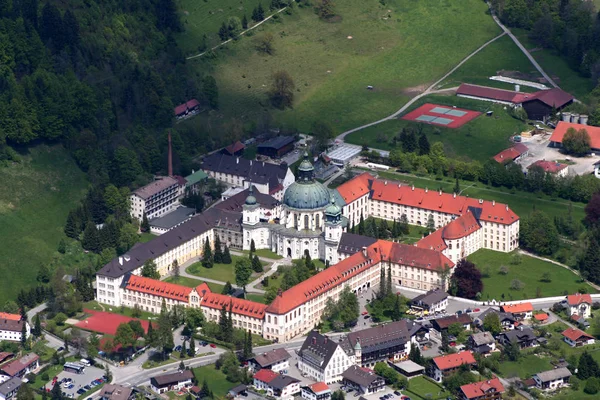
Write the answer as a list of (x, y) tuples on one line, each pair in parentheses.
[(399, 48), (36, 196)]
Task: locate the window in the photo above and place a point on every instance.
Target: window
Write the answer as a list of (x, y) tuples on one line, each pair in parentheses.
[(306, 222)]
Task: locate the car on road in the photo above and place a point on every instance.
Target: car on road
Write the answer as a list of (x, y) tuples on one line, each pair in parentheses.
[(60, 349), (364, 313), (214, 346), (203, 343), (468, 310), (81, 391), (367, 316), (397, 393)]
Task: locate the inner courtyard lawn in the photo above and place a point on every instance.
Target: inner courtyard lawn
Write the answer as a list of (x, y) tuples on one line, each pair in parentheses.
[(398, 48), (191, 282), (219, 272), (529, 271)]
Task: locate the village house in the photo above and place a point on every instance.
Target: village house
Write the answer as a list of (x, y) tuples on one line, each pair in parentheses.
[(442, 324), (433, 301), (514, 153), (9, 388), (277, 385), (491, 389), (323, 359), (22, 366), (11, 327), (364, 380), (520, 311), (507, 320), (116, 392), (276, 360), (444, 366), (524, 337), (187, 109), (580, 304), (551, 167), (482, 343), (171, 382), (577, 338), (316, 391), (562, 127), (408, 368), (553, 379)]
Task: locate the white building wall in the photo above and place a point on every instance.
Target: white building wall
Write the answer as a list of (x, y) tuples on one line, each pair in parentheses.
[(14, 336)]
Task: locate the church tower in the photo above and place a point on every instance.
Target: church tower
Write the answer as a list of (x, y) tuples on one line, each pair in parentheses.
[(250, 213), (333, 231)]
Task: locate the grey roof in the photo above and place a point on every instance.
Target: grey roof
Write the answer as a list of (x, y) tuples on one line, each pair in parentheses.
[(272, 357), (430, 298), (553, 374), (11, 325), (277, 142), (154, 187), (173, 218), (317, 350), (255, 171), (445, 322), (359, 376), (351, 243), (115, 392), (409, 366), (519, 335), (10, 386), (281, 381), (482, 338), (307, 195), (503, 316), (167, 379), (238, 389), (237, 201), (139, 254), (384, 336), (484, 349)]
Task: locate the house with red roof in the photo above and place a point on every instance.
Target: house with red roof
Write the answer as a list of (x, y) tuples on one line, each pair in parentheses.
[(579, 304), (187, 109), (514, 153), (280, 386), (490, 389), (551, 167), (520, 311), (562, 127), (444, 366), (234, 149), (316, 391), (577, 338), (355, 196)]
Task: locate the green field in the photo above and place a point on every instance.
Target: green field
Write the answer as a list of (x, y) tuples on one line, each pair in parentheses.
[(520, 202), (422, 388), (555, 66), (399, 48), (218, 383), (36, 196), (479, 139), (526, 366), (529, 272), (501, 55)]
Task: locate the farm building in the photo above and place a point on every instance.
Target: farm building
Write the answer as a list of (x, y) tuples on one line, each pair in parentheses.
[(187, 109), (562, 127), (551, 167), (512, 154), (234, 149), (343, 154), (277, 147)]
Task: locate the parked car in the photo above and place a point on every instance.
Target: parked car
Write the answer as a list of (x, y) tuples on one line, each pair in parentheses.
[(214, 346), (60, 349), (81, 391), (87, 387), (476, 310), (203, 343), (397, 393), (468, 310)]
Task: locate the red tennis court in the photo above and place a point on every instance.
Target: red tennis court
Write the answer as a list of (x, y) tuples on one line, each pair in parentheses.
[(450, 117), (106, 322)]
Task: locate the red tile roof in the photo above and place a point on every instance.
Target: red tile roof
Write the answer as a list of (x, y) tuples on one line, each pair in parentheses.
[(235, 147), (5, 355), (441, 202), (182, 108), (14, 368), (319, 387), (265, 375), (479, 389), (433, 241), (511, 153), (158, 288), (238, 306), (574, 334), (551, 167), (454, 360), (561, 129), (518, 308), (486, 92), (10, 317), (461, 227), (541, 317), (578, 298), (353, 265), (355, 188), (554, 97)]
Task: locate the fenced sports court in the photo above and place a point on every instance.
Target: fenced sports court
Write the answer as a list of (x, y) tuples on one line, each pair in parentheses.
[(450, 117), (105, 322)]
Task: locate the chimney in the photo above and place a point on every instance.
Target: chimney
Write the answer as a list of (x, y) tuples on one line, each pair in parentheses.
[(121, 260), (507, 207), (127, 257), (250, 162), (314, 340), (385, 183), (170, 166), (325, 340), (440, 192)]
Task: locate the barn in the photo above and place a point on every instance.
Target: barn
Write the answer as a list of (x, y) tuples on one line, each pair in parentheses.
[(277, 147)]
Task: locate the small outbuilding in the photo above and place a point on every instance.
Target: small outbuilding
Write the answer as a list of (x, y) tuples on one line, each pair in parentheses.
[(277, 147), (408, 368)]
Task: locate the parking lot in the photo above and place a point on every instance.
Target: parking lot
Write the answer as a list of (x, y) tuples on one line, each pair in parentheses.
[(78, 381)]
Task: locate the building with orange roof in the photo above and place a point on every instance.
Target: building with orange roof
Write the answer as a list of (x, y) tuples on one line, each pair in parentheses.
[(541, 318), (520, 311), (580, 304), (11, 317), (576, 337), (512, 153), (491, 389), (444, 366), (355, 194), (316, 391)]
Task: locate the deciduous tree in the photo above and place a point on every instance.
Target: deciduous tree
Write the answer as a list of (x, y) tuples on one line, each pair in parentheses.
[(467, 279), (281, 93)]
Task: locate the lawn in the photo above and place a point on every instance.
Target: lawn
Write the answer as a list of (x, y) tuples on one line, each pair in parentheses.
[(425, 389), (527, 365), (41, 349), (36, 197), (126, 311), (501, 55), (479, 139), (556, 66), (217, 381), (259, 298), (529, 272), (219, 272), (519, 201), (191, 282), (266, 253), (146, 237), (398, 48)]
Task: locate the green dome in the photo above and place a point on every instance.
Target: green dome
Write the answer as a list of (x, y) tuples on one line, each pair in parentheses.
[(333, 208), (306, 193)]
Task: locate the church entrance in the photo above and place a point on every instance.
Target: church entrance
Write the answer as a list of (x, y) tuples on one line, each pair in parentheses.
[(289, 252)]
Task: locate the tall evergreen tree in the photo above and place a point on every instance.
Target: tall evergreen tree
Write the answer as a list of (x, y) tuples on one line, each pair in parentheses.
[(260, 12), (424, 147), (223, 325), (361, 225), (382, 284), (218, 257), (72, 226), (245, 22), (37, 327), (396, 312), (192, 350), (91, 238), (207, 260), (167, 18), (252, 246), (388, 284), (256, 264), (224, 32), (183, 352), (230, 323), (227, 289), (71, 29), (226, 256), (176, 269), (145, 225)]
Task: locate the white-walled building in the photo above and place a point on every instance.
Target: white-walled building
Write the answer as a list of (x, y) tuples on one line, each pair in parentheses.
[(155, 199), (280, 386), (277, 360), (316, 391), (323, 359), (553, 379), (579, 304), (11, 327)]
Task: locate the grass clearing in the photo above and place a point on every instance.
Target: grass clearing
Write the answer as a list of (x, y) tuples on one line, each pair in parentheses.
[(146, 237), (529, 272), (218, 382), (36, 197), (479, 139), (387, 46), (425, 389), (525, 367), (501, 55)]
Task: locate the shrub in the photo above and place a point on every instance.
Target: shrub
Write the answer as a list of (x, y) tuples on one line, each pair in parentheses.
[(503, 270), (592, 386), (516, 284)]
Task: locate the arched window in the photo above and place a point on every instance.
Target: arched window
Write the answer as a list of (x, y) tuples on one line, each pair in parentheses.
[(318, 222), (306, 222), (295, 221)]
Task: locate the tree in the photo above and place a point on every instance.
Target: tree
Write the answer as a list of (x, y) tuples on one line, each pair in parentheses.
[(576, 142), (491, 323), (256, 264), (164, 335), (538, 233), (512, 351), (125, 335), (24, 336), (91, 238), (430, 223), (56, 393), (145, 225), (207, 260), (516, 284), (587, 367), (245, 22), (183, 351), (226, 256), (456, 189), (62, 246), (224, 32), (325, 9), (467, 279), (192, 350), (218, 256), (234, 26), (264, 43), (243, 272), (322, 134), (252, 246), (589, 265), (11, 307), (424, 147), (211, 91), (281, 93), (149, 270), (167, 18), (247, 352), (227, 289), (37, 326), (175, 266), (592, 386), (339, 394), (415, 354), (445, 342)]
